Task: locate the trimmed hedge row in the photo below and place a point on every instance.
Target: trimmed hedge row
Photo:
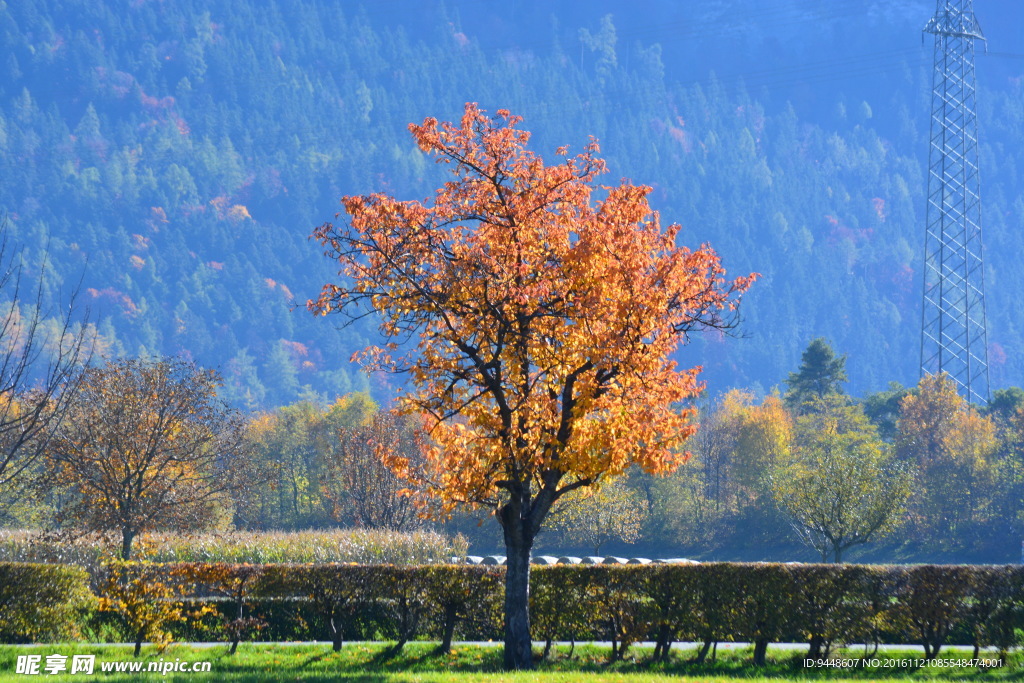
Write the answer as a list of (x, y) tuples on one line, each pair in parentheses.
[(339, 601), (760, 603)]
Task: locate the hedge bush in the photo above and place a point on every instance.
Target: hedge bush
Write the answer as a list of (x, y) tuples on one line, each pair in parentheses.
[(42, 602), (996, 614), (709, 603), (465, 598), (769, 602)]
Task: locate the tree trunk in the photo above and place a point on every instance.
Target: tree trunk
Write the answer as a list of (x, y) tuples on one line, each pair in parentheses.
[(518, 646), (447, 631), (664, 643), (875, 642), (620, 640), (337, 632), (407, 631), (760, 650), (814, 650), (408, 623), (236, 634), (126, 543), (615, 646), (702, 653), (139, 637), (521, 518)]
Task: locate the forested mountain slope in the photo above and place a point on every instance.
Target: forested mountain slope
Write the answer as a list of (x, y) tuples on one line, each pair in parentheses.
[(175, 156)]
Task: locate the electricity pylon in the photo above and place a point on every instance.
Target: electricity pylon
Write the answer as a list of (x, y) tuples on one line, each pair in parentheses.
[(953, 334)]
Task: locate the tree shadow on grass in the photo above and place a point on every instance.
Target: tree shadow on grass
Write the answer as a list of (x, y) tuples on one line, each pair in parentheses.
[(314, 659)]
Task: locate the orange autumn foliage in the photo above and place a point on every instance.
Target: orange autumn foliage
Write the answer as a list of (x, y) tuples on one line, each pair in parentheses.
[(545, 319)]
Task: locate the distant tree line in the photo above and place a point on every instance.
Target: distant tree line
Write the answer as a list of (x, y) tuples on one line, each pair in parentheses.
[(908, 473), (935, 477)]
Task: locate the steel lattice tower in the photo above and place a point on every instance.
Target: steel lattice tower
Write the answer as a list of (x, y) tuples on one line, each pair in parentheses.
[(953, 336)]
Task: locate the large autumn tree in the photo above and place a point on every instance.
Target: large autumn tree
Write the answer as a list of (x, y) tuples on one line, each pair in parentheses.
[(542, 322), (146, 446)]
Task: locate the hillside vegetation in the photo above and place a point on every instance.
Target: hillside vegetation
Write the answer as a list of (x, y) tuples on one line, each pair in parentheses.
[(176, 156)]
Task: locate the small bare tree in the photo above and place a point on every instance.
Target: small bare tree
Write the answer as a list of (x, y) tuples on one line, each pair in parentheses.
[(364, 490), (595, 517), (39, 354)]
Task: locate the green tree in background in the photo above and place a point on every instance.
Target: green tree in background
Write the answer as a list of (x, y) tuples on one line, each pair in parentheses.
[(821, 374), (614, 512), (1005, 404), (840, 485), (883, 409), (1009, 505)]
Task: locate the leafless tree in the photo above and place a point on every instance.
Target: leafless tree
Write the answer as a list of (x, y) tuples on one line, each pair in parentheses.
[(40, 351), (365, 491)]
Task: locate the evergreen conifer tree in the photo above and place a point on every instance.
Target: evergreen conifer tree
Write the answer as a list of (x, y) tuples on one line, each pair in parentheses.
[(821, 374)]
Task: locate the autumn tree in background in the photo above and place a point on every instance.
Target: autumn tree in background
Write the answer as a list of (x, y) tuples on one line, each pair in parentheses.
[(953, 448), (146, 446), (762, 434), (291, 444), (725, 484), (973, 446), (323, 467), (363, 490), (542, 322), (680, 512), (714, 444), (840, 485), (686, 505)]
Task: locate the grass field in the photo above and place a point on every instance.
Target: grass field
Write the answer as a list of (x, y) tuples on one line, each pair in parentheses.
[(365, 662)]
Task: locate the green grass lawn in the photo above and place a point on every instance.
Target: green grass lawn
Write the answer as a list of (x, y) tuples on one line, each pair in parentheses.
[(365, 662)]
